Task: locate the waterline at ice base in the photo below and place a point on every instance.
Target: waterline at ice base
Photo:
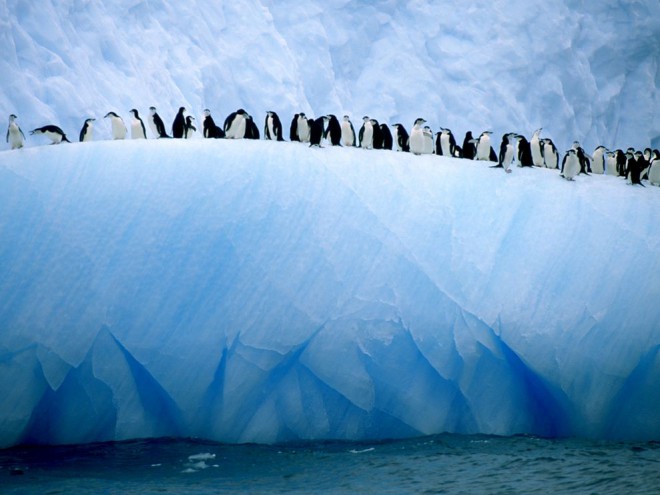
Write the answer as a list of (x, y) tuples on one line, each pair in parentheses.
[(253, 291)]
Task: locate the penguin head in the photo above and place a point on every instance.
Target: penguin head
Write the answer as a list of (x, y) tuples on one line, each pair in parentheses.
[(111, 114), (365, 119), (346, 118), (12, 117), (207, 112), (538, 131), (419, 121), (182, 109), (134, 112), (89, 121)]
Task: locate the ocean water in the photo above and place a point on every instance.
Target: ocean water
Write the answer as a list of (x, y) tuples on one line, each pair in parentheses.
[(436, 464)]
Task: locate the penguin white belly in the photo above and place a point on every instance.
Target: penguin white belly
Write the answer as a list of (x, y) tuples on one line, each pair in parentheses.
[(416, 141), (237, 128), (610, 165), (346, 134), (55, 137), (551, 159), (153, 127), (597, 164), (368, 137), (15, 137), (303, 130), (508, 158), (89, 133), (571, 167), (428, 144), (136, 130), (654, 173), (118, 129), (483, 149), (537, 156), (271, 129), (444, 144)]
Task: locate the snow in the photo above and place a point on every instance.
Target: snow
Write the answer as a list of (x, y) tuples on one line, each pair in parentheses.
[(254, 291), (582, 71)]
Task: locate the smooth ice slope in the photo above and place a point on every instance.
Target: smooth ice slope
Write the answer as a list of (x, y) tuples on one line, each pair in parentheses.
[(259, 291), (581, 70)]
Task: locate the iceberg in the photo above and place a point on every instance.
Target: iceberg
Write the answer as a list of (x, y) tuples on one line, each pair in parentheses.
[(255, 291)]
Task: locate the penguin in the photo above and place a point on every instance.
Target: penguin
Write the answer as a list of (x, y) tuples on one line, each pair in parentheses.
[(550, 155), (156, 124), (179, 124), (654, 169), (366, 134), (599, 157), (316, 131), (636, 164), (190, 127), (378, 136), (505, 158), (347, 132), (570, 165), (446, 144), (15, 136), (87, 131), (333, 132), (251, 129), (524, 153), (387, 137), (236, 124), (536, 150), (428, 140), (401, 138), (417, 137), (118, 126), (469, 149), (293, 129), (137, 126), (273, 127), (610, 163), (483, 147), (648, 157), (210, 129), (52, 132), (585, 163), (621, 162), (303, 127)]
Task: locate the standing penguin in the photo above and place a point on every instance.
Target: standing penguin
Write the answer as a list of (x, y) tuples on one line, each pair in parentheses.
[(236, 124), (293, 129), (570, 165), (52, 132), (179, 124), (156, 124), (621, 162), (469, 148), (536, 149), (251, 129), (598, 166), (524, 153), (550, 154), (137, 126), (483, 147), (505, 158), (610, 163), (636, 165), (15, 136), (87, 131), (401, 138), (117, 124), (654, 170), (333, 132), (273, 127), (387, 137), (446, 143), (428, 140), (366, 134), (190, 127), (303, 127), (210, 129), (316, 131), (378, 136), (347, 132), (585, 163), (417, 137)]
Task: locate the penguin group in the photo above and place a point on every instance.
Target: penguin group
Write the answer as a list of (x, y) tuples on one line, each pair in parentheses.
[(634, 165)]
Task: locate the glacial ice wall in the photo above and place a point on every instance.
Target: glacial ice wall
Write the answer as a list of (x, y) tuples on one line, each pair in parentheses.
[(262, 292), (581, 70)]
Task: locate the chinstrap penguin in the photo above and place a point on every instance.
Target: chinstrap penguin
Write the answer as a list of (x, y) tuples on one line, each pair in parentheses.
[(179, 124), (156, 124), (137, 126), (87, 131), (118, 127), (52, 132), (15, 136)]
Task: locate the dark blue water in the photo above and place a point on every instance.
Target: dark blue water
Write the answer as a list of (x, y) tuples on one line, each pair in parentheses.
[(438, 464)]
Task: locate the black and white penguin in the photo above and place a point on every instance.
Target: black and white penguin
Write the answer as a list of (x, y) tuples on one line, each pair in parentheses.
[(272, 127), (570, 165), (317, 130), (117, 124), (211, 130), (52, 132), (636, 165), (505, 158), (550, 154), (621, 162), (428, 140), (469, 148), (446, 143), (251, 129), (648, 157), (347, 132), (599, 157), (654, 169), (524, 152), (156, 124), (333, 131), (610, 163), (87, 131), (366, 134), (378, 136), (417, 138), (536, 149), (236, 124), (401, 138), (137, 126), (190, 127), (179, 124), (585, 162), (15, 136), (388, 141), (483, 147), (303, 127), (293, 129)]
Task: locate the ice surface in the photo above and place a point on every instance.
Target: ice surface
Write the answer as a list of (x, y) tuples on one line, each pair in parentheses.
[(581, 70), (260, 291)]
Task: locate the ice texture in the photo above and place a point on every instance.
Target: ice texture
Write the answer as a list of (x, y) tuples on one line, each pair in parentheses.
[(254, 291)]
